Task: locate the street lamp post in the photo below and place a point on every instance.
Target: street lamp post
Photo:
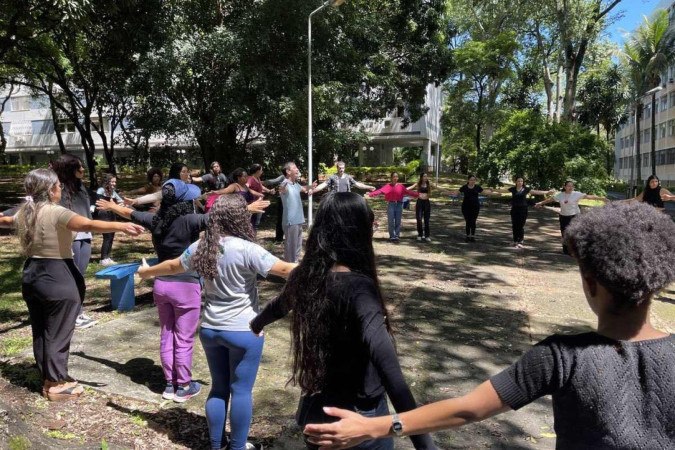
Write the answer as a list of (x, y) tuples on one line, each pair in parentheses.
[(335, 4), (653, 131)]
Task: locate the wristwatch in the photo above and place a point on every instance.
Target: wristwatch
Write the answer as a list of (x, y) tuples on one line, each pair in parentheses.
[(397, 425)]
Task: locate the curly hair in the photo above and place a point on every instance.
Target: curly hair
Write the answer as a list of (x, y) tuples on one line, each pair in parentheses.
[(228, 216), (341, 234), (169, 210), (152, 172), (629, 248)]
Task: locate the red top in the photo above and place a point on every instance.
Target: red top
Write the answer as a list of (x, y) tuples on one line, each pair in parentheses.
[(393, 193), (254, 184)]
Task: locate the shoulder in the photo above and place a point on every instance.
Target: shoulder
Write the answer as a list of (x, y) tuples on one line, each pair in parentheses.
[(100, 191), (512, 189)]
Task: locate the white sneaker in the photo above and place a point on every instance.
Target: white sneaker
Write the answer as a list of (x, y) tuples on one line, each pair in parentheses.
[(108, 262), (83, 322), (428, 239), (419, 238)]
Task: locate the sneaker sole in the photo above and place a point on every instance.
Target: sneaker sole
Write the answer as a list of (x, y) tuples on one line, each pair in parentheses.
[(86, 325), (168, 396), (178, 399)]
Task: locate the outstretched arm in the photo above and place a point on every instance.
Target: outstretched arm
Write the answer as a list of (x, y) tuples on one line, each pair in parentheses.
[(365, 187), (168, 267), (109, 205), (80, 223), (319, 188), (6, 221), (537, 192), (352, 429), (545, 202), (595, 197), (144, 200)]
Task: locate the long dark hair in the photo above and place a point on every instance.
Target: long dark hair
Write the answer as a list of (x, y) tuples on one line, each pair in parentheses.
[(175, 169), (65, 168), (155, 171), (652, 177), (228, 216), (342, 234), (169, 210), (419, 183)]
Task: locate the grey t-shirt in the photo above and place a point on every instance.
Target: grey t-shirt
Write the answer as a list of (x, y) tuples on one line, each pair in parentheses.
[(231, 299), (337, 184), (607, 394)]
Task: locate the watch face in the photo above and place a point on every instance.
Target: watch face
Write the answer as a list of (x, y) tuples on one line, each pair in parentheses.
[(397, 427)]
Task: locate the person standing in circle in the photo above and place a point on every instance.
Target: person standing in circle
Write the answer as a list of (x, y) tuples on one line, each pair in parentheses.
[(342, 347), (75, 197), (255, 184), (423, 206), (654, 194), (569, 207), (519, 194), (53, 286), (340, 182), (108, 192), (393, 193), (229, 261), (471, 205)]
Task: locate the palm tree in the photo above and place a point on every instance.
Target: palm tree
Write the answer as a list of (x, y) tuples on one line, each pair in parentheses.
[(647, 54)]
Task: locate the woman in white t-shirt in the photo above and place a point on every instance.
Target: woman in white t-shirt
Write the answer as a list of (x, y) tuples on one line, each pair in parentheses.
[(229, 261), (569, 206)]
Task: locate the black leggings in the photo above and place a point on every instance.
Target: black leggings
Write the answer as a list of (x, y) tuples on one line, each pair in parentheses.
[(106, 246), (422, 213), (518, 219), (564, 223), (470, 213)]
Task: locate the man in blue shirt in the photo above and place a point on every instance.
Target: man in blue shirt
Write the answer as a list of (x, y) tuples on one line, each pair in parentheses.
[(294, 215)]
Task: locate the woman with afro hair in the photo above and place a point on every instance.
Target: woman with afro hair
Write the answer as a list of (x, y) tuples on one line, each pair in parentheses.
[(613, 388)]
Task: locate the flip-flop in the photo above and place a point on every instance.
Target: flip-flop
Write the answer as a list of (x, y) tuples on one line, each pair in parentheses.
[(70, 393)]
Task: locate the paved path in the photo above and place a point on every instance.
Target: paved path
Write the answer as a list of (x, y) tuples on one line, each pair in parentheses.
[(461, 311)]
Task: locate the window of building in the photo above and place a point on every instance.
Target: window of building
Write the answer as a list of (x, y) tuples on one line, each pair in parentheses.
[(661, 158), (645, 160), (20, 103), (646, 136), (664, 103), (647, 111), (21, 128), (670, 156), (671, 97), (662, 130), (65, 126)]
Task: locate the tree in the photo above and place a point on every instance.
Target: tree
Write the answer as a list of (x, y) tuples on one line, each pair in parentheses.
[(602, 100), (545, 153), (578, 24)]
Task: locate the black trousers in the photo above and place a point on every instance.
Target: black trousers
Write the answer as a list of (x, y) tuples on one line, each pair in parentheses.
[(564, 223), (106, 246), (422, 214), (518, 219), (279, 236), (470, 213), (53, 290)]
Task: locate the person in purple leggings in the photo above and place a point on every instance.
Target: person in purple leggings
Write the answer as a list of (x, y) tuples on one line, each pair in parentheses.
[(229, 261)]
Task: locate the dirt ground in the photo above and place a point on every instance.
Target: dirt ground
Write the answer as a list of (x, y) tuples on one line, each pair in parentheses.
[(462, 312)]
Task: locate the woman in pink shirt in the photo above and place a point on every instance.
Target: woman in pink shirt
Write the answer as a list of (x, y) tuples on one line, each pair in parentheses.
[(393, 194)]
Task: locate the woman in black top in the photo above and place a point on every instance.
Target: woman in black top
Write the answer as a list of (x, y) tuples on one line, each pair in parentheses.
[(423, 207), (471, 205), (519, 194), (343, 353), (653, 193)]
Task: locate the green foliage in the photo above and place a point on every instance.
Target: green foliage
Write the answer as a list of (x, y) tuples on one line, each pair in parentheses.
[(19, 443), (602, 99), (545, 153)]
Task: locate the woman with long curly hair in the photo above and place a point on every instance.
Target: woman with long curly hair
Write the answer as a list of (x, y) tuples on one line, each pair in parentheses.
[(53, 286), (343, 351), (75, 197), (229, 261)]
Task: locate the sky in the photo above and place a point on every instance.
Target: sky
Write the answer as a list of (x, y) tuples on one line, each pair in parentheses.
[(631, 17)]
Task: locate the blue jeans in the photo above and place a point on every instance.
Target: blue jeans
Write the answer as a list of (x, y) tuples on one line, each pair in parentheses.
[(310, 410), (233, 358), (394, 212)]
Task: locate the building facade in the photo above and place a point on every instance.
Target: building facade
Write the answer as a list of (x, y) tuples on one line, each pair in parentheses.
[(390, 132), (664, 129)]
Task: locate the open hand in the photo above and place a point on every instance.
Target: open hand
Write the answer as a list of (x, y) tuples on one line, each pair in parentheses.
[(258, 206), (104, 205), (351, 430), (132, 229), (128, 201)]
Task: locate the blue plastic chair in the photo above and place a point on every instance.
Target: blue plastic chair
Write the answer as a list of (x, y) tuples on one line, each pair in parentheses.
[(121, 278)]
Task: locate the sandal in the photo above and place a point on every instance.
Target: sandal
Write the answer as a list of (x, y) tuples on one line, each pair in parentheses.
[(70, 393)]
